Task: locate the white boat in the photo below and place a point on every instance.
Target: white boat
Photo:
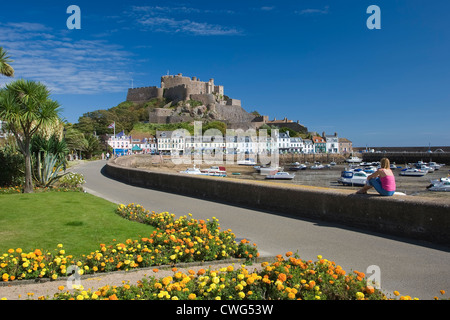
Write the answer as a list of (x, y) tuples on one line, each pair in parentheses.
[(281, 175), (193, 170), (353, 178), (215, 171), (370, 169), (354, 160), (423, 167), (434, 165), (264, 171), (247, 162), (297, 166), (317, 166), (413, 172), (442, 184)]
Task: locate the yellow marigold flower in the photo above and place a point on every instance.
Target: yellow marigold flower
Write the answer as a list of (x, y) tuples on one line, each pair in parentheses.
[(396, 293), (80, 297), (241, 295), (192, 296), (61, 288), (359, 295)]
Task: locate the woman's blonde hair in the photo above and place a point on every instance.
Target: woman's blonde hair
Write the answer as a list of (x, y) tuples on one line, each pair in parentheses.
[(385, 163)]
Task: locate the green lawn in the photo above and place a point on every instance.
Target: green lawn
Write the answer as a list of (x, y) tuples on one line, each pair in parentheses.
[(77, 220)]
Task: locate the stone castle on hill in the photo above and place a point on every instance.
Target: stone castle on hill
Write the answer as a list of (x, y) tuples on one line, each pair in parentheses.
[(192, 99)]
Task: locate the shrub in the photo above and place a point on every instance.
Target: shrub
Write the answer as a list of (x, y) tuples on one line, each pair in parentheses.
[(13, 168), (72, 180)]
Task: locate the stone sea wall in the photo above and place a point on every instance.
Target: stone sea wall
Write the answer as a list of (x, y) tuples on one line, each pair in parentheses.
[(404, 216)]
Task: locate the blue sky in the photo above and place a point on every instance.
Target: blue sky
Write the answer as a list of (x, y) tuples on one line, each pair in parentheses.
[(312, 61)]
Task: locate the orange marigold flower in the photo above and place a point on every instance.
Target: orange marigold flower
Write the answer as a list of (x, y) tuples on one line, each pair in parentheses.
[(282, 277), (201, 271), (289, 253)]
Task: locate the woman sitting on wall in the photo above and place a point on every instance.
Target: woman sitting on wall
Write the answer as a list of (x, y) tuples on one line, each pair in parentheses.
[(382, 180)]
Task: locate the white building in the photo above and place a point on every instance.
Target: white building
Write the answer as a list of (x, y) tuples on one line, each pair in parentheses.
[(120, 143), (170, 141), (332, 143), (308, 146), (284, 142), (144, 145), (296, 145)]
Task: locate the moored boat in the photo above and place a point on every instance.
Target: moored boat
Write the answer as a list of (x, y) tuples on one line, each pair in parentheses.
[(296, 166), (215, 171), (247, 162), (264, 171), (353, 178), (353, 159), (193, 170), (281, 175), (442, 184), (413, 172)]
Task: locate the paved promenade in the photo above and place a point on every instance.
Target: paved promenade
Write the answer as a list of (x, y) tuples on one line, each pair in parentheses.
[(413, 268)]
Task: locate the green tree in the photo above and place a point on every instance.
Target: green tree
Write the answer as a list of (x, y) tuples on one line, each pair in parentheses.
[(5, 67), (26, 105), (91, 145)]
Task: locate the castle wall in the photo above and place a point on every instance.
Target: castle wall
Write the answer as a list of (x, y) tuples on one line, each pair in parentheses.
[(144, 93), (233, 113), (233, 102), (177, 93), (206, 99)]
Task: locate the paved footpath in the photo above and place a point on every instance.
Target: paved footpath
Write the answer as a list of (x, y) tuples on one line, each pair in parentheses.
[(417, 269)]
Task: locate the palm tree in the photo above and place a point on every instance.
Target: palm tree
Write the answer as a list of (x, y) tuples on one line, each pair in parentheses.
[(5, 68), (26, 105)]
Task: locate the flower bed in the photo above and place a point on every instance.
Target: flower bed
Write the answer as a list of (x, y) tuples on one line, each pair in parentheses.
[(176, 240), (287, 278)]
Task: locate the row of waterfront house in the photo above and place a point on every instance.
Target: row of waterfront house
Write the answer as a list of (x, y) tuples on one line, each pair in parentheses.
[(167, 142)]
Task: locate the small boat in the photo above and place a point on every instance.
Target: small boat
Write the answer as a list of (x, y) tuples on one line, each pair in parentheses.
[(264, 171), (193, 170), (247, 162), (215, 171), (413, 172), (317, 166), (423, 167), (442, 184), (434, 165), (354, 160), (332, 163), (353, 178), (281, 175), (297, 166), (370, 169)]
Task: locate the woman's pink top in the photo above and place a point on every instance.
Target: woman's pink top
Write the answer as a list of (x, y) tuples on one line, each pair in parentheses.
[(388, 182)]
